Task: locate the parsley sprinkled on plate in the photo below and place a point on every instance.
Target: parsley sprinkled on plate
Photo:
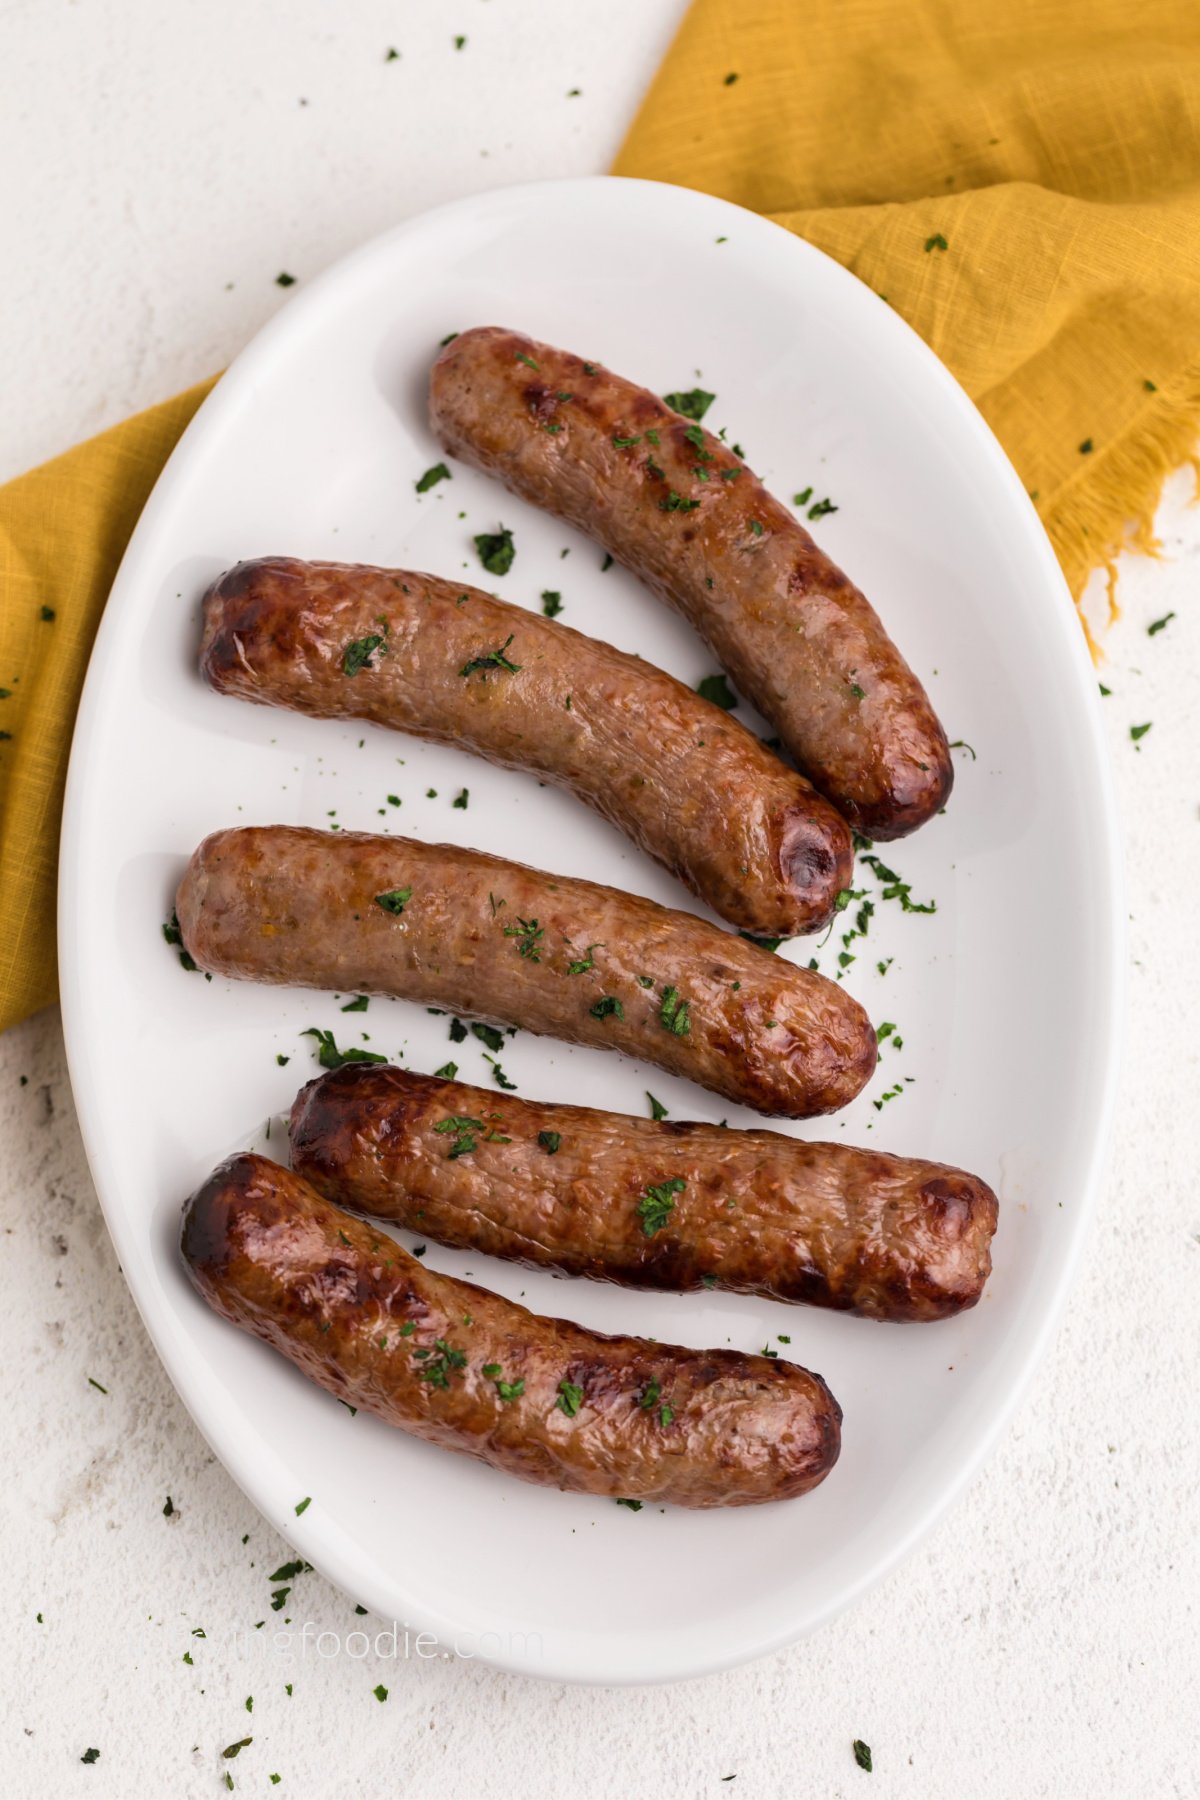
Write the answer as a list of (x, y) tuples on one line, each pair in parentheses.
[(693, 405), (1137, 732), (551, 602), (496, 550), (862, 1754), (431, 477), (717, 689), (502, 1081), (657, 1109), (330, 1057)]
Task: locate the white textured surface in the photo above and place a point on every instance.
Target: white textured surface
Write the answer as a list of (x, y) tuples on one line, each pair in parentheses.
[(1045, 1641)]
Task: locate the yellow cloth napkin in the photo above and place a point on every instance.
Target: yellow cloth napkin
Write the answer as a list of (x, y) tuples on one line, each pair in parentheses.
[(63, 531), (1020, 178)]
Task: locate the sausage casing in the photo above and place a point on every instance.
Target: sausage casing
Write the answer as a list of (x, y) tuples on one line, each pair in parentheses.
[(666, 1205), (685, 514), (687, 783), (460, 1367), (495, 940)]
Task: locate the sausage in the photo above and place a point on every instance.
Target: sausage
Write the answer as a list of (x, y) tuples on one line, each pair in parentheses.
[(498, 941), (676, 1206), (687, 783), (688, 517), (460, 1367)]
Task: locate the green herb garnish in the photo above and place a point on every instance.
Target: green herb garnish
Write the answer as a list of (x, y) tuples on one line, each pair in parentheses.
[(657, 1109), (717, 689), (496, 551), (570, 1398), (693, 405), (357, 655), (674, 1013), (492, 659), (394, 901), (463, 1130), (527, 933), (431, 477), (551, 603), (676, 503), (550, 1141), (607, 1008), (658, 1203), (438, 1369), (330, 1057)]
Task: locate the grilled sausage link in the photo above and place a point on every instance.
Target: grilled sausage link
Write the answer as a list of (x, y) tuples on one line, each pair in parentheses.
[(460, 1367), (499, 941), (687, 783), (686, 515), (677, 1206)]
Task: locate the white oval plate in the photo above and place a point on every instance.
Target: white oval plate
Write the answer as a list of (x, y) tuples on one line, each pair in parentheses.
[(1006, 999)]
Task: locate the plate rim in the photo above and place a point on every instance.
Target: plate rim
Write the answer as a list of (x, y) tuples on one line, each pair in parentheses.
[(585, 1663)]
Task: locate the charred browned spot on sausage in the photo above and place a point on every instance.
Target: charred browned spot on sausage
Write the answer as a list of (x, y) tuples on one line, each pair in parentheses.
[(816, 856), (207, 1218), (949, 1205), (543, 404), (237, 581)]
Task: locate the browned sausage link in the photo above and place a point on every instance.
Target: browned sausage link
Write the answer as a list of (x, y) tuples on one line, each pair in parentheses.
[(460, 1367), (688, 784), (673, 504), (644, 1204), (498, 941)]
